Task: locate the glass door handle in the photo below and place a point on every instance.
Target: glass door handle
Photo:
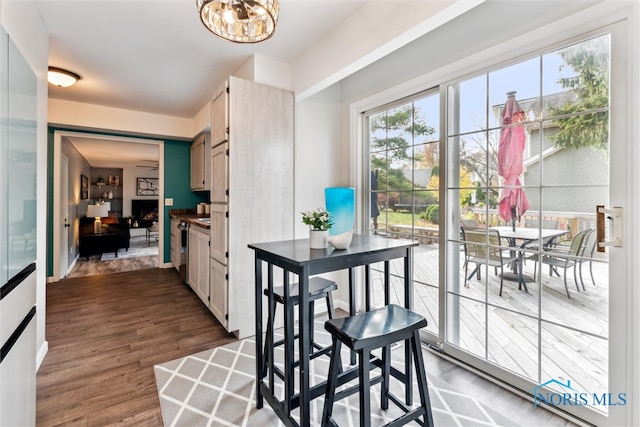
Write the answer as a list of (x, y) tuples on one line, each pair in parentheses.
[(615, 216)]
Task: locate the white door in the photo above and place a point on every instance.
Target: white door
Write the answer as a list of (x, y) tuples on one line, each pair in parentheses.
[(551, 322), (64, 226)]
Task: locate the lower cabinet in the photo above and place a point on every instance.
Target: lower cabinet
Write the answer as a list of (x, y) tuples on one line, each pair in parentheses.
[(218, 303), (199, 262)]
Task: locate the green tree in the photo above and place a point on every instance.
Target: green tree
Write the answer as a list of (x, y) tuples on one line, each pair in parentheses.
[(590, 85), (393, 132)]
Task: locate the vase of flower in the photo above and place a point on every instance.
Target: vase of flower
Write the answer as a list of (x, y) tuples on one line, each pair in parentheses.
[(319, 222), (318, 239)]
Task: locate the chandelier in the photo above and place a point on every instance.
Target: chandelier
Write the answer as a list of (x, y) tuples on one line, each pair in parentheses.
[(241, 21)]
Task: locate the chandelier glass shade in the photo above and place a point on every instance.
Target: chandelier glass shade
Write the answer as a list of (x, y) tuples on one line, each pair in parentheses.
[(240, 21), (61, 78)]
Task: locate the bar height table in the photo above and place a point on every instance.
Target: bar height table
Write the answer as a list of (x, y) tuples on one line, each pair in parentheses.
[(295, 256)]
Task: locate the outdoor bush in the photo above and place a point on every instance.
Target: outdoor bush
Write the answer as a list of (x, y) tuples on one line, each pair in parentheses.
[(432, 214)]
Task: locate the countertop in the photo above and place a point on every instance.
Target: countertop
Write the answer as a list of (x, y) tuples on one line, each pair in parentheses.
[(189, 215)]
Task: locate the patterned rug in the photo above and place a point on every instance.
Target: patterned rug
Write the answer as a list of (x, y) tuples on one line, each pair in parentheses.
[(217, 388), (140, 256)]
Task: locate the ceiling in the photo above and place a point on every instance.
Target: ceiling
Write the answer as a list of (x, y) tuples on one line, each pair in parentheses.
[(156, 56)]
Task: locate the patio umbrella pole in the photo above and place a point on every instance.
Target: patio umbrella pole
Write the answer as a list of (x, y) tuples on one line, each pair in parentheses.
[(513, 199)]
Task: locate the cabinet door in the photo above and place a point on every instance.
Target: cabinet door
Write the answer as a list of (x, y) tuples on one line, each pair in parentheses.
[(199, 263), (219, 118), (220, 174), (218, 291), (199, 161), (196, 182), (219, 233)]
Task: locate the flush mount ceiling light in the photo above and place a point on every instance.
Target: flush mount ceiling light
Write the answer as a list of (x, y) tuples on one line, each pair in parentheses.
[(240, 21), (62, 78)]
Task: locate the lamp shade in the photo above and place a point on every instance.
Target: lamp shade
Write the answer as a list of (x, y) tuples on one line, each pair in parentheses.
[(98, 211)]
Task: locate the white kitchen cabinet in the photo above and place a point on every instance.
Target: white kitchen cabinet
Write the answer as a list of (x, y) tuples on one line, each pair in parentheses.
[(200, 163), (175, 243), (199, 262), (220, 173), (219, 117), (251, 191), (219, 229), (218, 292)]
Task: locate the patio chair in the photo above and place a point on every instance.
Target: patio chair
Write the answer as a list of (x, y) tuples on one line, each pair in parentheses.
[(589, 247), (564, 259), (484, 246), (469, 223)]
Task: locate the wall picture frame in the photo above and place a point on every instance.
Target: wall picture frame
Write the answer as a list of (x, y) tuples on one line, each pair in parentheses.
[(84, 187), (114, 180), (147, 187)]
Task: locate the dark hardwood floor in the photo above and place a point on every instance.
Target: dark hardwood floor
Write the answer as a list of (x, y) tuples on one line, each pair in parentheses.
[(105, 334)]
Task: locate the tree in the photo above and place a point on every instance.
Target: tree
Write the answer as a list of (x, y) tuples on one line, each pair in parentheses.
[(390, 147), (590, 60)]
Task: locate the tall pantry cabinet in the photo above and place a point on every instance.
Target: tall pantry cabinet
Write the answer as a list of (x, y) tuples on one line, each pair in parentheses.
[(251, 191)]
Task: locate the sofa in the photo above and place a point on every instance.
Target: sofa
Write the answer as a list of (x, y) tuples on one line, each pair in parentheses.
[(114, 237)]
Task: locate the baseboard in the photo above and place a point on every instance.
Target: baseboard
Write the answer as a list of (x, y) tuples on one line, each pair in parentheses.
[(42, 352), (166, 265), (71, 267)]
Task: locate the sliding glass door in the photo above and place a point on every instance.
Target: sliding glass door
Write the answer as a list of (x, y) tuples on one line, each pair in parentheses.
[(527, 292), (501, 194)]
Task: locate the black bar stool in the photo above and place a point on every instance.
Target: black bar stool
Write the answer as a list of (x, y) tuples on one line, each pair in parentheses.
[(319, 287), (364, 333)]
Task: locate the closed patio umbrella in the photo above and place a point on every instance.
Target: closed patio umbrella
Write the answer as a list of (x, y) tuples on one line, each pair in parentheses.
[(513, 200)]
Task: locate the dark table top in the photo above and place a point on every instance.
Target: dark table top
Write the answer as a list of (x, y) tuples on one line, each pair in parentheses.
[(363, 249)]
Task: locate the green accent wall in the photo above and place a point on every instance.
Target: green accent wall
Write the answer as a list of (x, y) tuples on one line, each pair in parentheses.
[(176, 184)]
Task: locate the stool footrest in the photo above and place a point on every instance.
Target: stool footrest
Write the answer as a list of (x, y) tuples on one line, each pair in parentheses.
[(412, 414), (355, 388)]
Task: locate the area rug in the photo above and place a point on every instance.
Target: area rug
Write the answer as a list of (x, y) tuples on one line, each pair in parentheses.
[(216, 387), (139, 256)]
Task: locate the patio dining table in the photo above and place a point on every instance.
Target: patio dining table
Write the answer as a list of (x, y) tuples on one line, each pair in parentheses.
[(525, 236)]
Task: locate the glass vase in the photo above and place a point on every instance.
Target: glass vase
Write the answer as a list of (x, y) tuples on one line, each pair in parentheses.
[(340, 203)]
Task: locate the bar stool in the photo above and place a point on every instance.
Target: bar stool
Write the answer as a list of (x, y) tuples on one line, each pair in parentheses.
[(364, 333), (319, 287)]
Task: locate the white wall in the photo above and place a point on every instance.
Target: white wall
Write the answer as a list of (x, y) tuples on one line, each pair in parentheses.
[(319, 153), (22, 22), (78, 114), (129, 176)]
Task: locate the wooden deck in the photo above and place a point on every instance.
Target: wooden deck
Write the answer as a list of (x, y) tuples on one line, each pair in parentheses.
[(572, 332)]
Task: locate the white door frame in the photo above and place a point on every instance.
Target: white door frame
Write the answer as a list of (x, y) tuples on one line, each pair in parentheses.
[(58, 135), (63, 249)]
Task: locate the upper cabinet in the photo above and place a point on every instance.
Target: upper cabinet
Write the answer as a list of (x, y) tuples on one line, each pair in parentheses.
[(200, 163), (220, 174), (220, 117)]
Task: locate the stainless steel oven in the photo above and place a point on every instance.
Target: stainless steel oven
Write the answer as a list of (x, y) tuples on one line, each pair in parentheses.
[(184, 251)]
